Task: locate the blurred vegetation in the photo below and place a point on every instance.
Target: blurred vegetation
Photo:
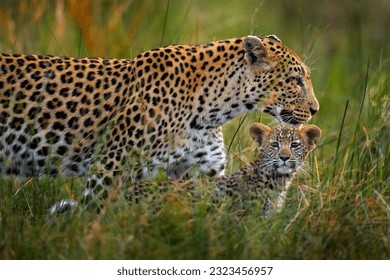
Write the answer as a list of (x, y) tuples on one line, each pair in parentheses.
[(340, 211)]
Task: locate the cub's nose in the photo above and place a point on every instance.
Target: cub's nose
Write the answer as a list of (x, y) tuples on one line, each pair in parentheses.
[(284, 158), (313, 111)]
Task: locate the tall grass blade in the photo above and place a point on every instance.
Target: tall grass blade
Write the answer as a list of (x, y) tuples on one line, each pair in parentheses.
[(180, 27), (58, 43), (339, 138), (236, 131), (360, 113), (165, 23), (79, 43)]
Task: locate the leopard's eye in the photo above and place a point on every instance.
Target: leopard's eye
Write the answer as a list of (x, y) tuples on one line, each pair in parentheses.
[(274, 145), (295, 144), (300, 81)]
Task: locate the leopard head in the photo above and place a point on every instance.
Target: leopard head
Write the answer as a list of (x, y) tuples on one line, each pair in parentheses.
[(281, 77)]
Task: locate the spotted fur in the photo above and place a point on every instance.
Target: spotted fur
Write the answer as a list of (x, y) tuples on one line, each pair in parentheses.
[(64, 116)]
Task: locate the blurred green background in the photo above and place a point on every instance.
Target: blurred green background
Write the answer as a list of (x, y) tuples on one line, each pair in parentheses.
[(339, 210)]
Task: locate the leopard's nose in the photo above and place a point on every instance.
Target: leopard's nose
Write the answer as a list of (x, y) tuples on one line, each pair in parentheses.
[(313, 111)]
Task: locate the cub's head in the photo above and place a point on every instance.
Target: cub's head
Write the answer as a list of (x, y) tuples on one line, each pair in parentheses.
[(281, 77), (284, 147)]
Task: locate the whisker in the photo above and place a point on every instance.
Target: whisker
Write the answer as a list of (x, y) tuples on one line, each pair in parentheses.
[(274, 122), (306, 170)]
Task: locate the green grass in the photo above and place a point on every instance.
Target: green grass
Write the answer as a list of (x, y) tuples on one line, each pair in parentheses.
[(339, 210)]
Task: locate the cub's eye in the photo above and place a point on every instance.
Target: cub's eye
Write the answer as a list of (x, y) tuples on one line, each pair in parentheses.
[(295, 144), (274, 145)]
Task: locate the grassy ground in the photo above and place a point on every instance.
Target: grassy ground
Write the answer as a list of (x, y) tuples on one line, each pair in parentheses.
[(340, 210)]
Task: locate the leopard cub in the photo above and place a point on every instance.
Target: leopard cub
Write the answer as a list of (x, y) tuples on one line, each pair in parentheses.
[(282, 151)]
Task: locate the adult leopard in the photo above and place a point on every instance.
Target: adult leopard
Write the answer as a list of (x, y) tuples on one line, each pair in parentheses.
[(75, 116)]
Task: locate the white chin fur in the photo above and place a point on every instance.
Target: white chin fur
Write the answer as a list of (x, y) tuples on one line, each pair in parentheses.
[(284, 170)]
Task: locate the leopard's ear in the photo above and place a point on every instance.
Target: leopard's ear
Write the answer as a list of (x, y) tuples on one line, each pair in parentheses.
[(310, 135), (255, 52), (274, 37), (259, 132)]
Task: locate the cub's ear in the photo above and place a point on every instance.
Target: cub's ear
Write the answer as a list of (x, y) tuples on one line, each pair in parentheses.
[(255, 52), (259, 132), (310, 135)]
